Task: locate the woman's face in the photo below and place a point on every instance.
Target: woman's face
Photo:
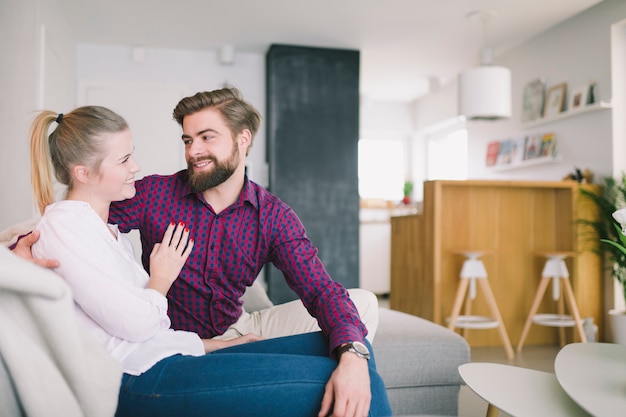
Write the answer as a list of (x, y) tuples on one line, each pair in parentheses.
[(116, 177)]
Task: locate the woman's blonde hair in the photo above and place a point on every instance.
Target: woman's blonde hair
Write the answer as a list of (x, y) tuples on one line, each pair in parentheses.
[(76, 140)]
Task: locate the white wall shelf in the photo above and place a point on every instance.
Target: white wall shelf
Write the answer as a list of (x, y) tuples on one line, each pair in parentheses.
[(527, 163), (602, 105)]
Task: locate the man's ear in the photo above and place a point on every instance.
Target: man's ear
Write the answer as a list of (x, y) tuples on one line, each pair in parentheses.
[(245, 138), (81, 173)]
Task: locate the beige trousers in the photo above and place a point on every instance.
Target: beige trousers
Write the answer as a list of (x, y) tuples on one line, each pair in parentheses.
[(292, 318)]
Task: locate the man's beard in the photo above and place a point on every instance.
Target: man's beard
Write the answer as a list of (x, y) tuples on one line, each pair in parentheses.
[(222, 170)]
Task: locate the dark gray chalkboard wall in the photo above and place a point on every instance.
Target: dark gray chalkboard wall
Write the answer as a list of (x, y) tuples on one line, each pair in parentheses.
[(312, 147)]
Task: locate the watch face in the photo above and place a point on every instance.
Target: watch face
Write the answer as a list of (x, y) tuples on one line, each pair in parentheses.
[(360, 348)]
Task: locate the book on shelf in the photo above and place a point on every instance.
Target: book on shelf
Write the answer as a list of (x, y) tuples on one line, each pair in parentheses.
[(517, 149), (505, 153), (532, 146), (548, 144), (492, 153)]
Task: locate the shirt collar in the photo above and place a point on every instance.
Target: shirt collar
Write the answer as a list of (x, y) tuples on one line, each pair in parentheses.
[(248, 192)]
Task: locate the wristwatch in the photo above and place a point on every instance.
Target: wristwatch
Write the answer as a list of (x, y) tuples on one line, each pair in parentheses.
[(357, 348)]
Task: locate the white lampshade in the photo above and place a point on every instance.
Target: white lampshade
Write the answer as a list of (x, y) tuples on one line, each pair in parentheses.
[(485, 93)]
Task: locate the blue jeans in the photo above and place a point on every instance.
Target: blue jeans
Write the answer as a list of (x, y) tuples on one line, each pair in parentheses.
[(276, 377)]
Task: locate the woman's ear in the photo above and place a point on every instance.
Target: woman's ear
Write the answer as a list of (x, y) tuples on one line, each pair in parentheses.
[(81, 173)]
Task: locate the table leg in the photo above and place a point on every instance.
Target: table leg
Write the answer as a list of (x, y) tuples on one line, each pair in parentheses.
[(492, 411)]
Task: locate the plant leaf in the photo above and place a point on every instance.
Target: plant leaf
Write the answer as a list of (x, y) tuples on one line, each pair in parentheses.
[(617, 245)]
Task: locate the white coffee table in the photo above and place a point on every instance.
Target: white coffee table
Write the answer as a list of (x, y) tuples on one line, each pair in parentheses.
[(594, 375), (519, 392)]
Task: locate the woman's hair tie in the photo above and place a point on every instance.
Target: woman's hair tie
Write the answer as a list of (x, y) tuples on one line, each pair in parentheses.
[(59, 117)]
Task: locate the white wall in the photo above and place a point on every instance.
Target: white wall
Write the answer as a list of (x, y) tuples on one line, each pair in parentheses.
[(187, 71), (573, 52), (33, 36)]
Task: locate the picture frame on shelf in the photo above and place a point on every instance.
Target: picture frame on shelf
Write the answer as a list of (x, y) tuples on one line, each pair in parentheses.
[(533, 100), (578, 98), (555, 98)]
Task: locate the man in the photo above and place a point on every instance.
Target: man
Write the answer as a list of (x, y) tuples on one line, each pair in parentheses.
[(238, 227)]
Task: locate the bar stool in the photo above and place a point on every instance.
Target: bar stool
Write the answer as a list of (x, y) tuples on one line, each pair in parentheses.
[(554, 270), (474, 271)]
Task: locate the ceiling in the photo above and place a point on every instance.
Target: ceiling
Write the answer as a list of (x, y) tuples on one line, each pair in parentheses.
[(407, 46)]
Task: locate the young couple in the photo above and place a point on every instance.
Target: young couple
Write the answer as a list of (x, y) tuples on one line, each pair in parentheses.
[(206, 233)]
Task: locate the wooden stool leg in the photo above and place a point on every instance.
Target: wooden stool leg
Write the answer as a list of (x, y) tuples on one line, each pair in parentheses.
[(571, 301), (467, 311), (493, 307), (560, 308), (492, 411), (543, 285), (458, 302)]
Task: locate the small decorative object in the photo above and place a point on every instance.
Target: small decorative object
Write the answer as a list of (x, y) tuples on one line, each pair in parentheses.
[(575, 175), (578, 98), (591, 330), (587, 176), (408, 189), (532, 106), (591, 96), (554, 100)]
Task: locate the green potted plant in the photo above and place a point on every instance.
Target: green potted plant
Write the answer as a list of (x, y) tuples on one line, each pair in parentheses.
[(408, 189), (607, 237)]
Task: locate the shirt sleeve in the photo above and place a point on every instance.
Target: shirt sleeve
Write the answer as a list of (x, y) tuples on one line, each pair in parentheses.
[(107, 283), (325, 299), (126, 214)]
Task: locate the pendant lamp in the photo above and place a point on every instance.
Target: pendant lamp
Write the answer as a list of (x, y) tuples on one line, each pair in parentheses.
[(485, 91)]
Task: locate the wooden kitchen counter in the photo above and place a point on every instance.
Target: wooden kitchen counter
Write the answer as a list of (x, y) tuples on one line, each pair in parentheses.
[(511, 220)]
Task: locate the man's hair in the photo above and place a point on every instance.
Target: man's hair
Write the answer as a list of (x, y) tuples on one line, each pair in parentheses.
[(237, 113)]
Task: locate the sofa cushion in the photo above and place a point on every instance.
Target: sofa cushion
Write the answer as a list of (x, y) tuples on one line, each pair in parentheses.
[(411, 351)]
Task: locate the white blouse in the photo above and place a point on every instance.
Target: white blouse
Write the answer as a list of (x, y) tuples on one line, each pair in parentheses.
[(108, 287)]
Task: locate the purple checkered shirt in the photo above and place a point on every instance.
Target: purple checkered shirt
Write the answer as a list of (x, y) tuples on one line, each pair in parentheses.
[(229, 251)]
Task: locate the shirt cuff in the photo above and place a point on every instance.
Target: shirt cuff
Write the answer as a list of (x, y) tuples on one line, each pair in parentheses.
[(343, 334)]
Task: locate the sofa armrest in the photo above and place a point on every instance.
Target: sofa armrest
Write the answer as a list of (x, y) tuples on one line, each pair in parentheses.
[(419, 360)]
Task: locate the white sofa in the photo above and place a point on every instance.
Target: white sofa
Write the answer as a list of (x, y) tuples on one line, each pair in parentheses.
[(416, 358)]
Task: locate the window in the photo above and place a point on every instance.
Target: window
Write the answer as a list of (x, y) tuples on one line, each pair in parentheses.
[(381, 169), (447, 153)]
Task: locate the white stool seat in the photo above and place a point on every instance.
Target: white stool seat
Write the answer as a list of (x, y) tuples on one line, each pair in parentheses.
[(475, 322), (554, 320)]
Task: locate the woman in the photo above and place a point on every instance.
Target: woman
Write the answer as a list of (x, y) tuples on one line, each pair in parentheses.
[(166, 372)]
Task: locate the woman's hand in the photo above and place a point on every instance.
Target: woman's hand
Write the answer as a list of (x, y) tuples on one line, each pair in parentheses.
[(211, 345), (168, 257), (24, 251)]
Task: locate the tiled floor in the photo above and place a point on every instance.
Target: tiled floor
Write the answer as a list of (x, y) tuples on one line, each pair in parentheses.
[(540, 358)]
